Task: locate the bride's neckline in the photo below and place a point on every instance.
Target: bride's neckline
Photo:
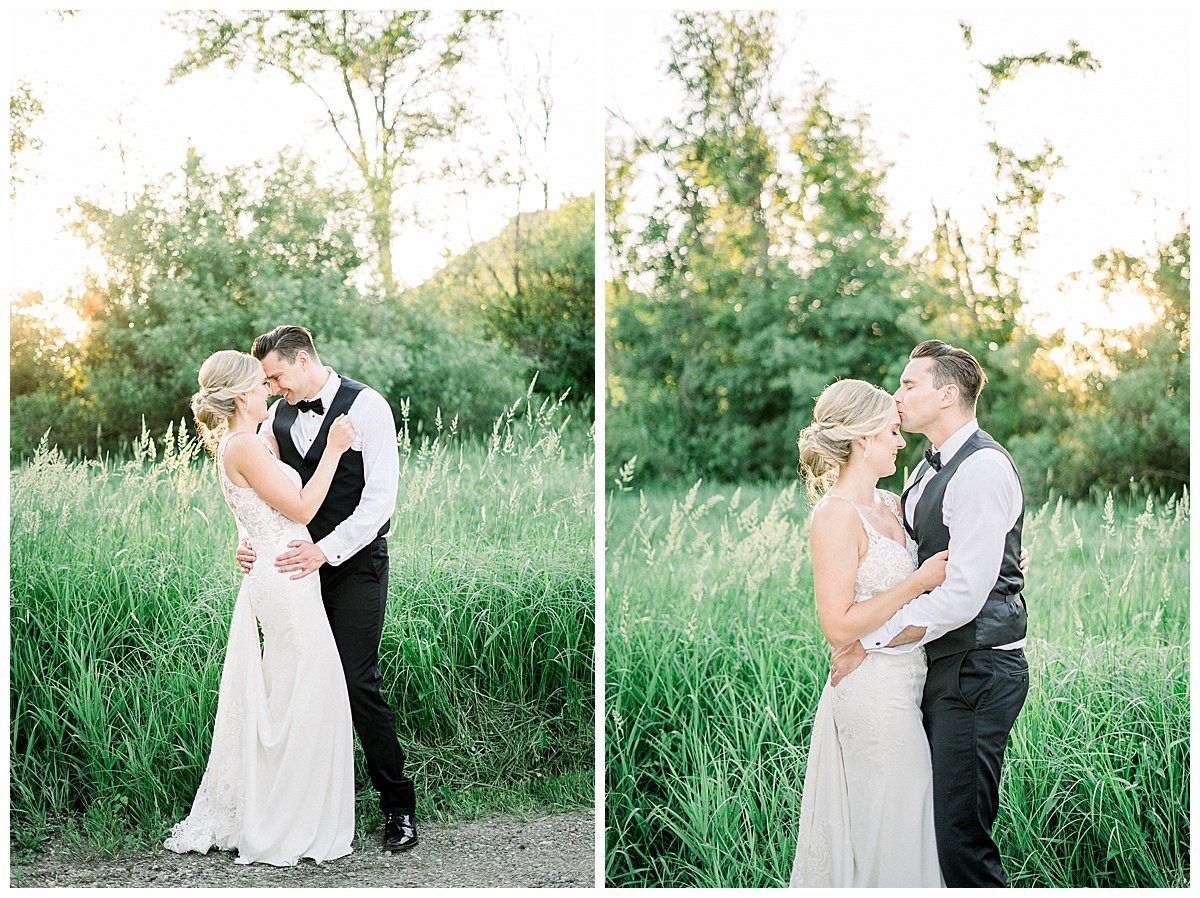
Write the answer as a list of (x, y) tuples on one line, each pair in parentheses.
[(859, 508), (851, 501)]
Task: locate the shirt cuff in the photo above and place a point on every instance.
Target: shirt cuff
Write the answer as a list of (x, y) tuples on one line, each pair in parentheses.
[(335, 552), (878, 639)]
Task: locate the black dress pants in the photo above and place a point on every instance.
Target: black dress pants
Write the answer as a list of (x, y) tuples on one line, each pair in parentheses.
[(970, 703), (355, 596)]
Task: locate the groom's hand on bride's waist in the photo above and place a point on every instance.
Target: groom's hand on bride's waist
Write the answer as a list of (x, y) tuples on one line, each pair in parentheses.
[(246, 556), (843, 661), (300, 560)]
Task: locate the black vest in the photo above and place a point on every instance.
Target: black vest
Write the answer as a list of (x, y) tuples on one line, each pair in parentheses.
[(1002, 618), (349, 478)]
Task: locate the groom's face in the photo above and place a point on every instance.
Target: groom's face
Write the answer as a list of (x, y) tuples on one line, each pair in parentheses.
[(286, 379), (918, 400)]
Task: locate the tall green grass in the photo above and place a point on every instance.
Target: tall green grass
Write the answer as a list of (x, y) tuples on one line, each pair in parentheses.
[(715, 661), (123, 581)]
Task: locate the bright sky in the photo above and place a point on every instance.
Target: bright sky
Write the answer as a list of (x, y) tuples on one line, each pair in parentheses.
[(101, 77), (1122, 131)]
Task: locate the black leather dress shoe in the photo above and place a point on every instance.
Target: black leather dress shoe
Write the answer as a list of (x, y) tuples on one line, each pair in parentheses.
[(400, 831)]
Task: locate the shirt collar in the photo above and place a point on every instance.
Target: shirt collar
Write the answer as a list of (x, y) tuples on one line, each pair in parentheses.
[(956, 440), (330, 389)]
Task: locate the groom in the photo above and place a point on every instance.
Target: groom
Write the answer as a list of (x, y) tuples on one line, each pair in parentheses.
[(966, 497), (349, 548)]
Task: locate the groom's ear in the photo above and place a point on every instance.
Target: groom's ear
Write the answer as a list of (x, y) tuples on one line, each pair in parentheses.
[(952, 395)]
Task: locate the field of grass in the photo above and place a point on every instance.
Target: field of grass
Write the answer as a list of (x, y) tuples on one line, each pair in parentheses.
[(714, 663), (123, 581)]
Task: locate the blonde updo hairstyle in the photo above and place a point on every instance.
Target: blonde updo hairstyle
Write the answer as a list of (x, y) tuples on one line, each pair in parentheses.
[(224, 376), (845, 411)]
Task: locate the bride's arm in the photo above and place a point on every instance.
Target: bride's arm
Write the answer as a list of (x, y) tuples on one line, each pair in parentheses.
[(835, 538), (250, 459)]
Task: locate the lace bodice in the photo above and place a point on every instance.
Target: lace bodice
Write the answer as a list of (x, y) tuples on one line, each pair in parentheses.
[(257, 520), (886, 562)]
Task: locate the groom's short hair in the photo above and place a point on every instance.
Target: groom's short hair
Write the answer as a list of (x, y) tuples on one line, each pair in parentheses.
[(952, 365), (287, 340)]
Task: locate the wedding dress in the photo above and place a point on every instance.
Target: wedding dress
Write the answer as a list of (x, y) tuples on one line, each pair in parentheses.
[(866, 815), (280, 778)]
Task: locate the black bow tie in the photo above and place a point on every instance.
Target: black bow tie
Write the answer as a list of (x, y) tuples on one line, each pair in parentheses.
[(313, 405), (934, 459)]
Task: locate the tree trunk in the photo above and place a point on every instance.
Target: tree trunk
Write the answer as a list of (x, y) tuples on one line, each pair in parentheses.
[(516, 269), (381, 231)]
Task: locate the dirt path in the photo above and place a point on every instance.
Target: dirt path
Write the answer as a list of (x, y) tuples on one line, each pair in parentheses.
[(556, 851)]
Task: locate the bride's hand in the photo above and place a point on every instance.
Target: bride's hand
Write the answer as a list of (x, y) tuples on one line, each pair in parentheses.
[(933, 571), (341, 434)]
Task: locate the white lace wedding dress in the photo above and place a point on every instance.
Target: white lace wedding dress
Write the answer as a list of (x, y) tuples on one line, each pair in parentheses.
[(279, 784), (866, 816)]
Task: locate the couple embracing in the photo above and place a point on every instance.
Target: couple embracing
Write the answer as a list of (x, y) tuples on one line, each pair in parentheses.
[(920, 598), (312, 484)]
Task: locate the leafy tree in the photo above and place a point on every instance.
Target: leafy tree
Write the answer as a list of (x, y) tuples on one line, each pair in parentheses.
[(970, 293), (386, 80), (548, 317), (206, 261), (438, 368), (24, 109), (43, 381), (1134, 423), (765, 270)]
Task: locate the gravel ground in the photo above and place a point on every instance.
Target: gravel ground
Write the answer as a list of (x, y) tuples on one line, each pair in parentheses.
[(500, 851)]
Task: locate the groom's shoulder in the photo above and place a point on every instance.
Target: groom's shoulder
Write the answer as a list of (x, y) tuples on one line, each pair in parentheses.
[(362, 390), (990, 463), (987, 441), (368, 399)]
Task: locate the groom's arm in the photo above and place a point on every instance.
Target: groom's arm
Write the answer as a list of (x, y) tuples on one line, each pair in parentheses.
[(980, 506), (381, 469)]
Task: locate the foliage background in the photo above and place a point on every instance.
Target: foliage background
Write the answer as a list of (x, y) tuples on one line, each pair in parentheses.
[(756, 259), (203, 257)]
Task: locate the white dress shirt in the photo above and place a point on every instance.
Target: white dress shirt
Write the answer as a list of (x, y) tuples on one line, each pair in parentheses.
[(980, 506), (375, 438)]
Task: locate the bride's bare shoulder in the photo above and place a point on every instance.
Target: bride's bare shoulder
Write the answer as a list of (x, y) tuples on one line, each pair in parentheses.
[(244, 448), (835, 529), (833, 513)]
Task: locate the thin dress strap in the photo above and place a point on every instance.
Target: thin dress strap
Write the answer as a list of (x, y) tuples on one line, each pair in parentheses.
[(893, 503), (871, 531)]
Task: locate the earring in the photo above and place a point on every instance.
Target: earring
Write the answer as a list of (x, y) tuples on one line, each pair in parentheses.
[(866, 450)]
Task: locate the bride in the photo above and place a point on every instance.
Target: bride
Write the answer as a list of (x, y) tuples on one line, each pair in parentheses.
[(866, 816), (279, 784)]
